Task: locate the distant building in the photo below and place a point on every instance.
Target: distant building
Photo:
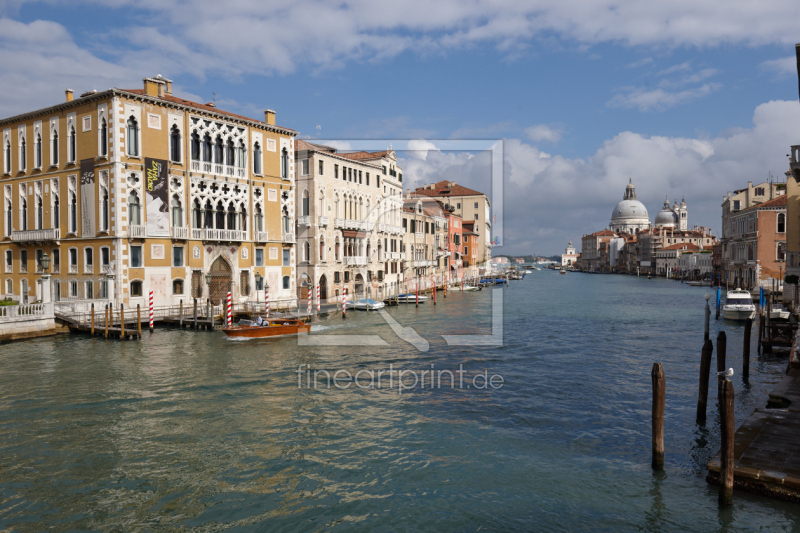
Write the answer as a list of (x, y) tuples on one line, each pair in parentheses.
[(667, 258), (499, 260), (630, 215), (590, 259), (569, 257)]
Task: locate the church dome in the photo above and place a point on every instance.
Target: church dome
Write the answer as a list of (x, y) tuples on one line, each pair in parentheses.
[(630, 215), (666, 218), (628, 209)]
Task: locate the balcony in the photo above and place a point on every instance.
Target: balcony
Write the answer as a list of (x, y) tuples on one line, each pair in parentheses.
[(179, 233), (422, 263), (323, 221), (217, 169), (137, 232), (338, 222), (36, 235), (304, 221), (226, 235), (262, 236), (288, 237), (355, 260)]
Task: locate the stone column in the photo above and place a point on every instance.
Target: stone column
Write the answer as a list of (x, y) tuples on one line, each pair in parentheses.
[(46, 291)]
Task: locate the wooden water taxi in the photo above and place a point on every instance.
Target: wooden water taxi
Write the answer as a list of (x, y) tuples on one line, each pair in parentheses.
[(273, 328)]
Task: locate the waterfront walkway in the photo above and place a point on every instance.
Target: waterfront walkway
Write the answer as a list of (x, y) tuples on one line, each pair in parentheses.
[(766, 450)]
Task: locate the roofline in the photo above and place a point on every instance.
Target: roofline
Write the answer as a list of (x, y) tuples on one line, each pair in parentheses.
[(335, 155), (143, 97)]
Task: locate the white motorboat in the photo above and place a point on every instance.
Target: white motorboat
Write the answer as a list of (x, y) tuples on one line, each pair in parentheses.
[(738, 305), (365, 305), (411, 298), (562, 271), (470, 288)]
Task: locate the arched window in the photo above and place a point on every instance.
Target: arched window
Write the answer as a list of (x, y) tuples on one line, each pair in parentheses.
[(209, 218), (7, 162), (240, 159), (133, 136), (285, 221), (322, 248), (259, 219), (73, 212), (230, 154), (285, 164), (23, 164), (218, 155), (24, 214), (175, 143), (336, 250), (207, 148), (104, 209), (56, 212), (37, 151), (286, 282), (103, 137), (197, 214), (368, 250), (177, 211), (242, 217), (9, 217), (134, 209), (195, 146), (72, 149), (781, 223), (231, 216), (220, 218), (256, 159), (306, 251), (54, 158), (39, 213), (306, 206)]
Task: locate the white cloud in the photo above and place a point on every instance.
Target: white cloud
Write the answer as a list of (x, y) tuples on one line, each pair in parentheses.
[(419, 148), (551, 200), (640, 63), (544, 132), (659, 99), (783, 66)]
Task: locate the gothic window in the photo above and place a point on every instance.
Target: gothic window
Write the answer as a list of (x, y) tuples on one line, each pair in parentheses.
[(22, 156), (230, 154), (37, 152), (285, 164), (781, 223), (7, 162), (134, 209), (306, 251), (209, 218), (71, 146), (103, 137), (54, 158), (322, 248), (133, 137), (104, 222), (259, 219), (218, 159), (207, 148), (256, 159), (240, 155), (197, 214), (39, 213), (24, 214), (195, 146), (177, 211), (220, 218), (231, 216), (56, 212), (306, 207), (73, 212), (175, 144), (242, 217)]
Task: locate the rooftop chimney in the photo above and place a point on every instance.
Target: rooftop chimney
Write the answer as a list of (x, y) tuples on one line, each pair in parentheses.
[(68, 92), (154, 87), (269, 117)]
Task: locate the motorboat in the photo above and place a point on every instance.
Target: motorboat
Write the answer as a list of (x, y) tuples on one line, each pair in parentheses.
[(366, 304), (273, 327), (562, 271), (738, 305), (411, 298), (471, 288)]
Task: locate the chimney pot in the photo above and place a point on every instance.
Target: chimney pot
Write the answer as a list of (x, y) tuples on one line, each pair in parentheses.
[(269, 117), (68, 93)]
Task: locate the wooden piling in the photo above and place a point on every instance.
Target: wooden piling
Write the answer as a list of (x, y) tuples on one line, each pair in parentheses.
[(181, 319), (722, 342), (195, 313), (92, 320), (122, 321), (106, 323), (708, 320), (139, 321), (705, 371), (657, 376), (727, 431), (748, 326)]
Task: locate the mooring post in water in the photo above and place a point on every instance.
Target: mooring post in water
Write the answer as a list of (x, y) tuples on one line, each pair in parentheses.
[(195, 313), (106, 324), (658, 379), (122, 321), (727, 431), (139, 321), (722, 342), (719, 295), (708, 316), (705, 372), (181, 312), (748, 326), (92, 320)]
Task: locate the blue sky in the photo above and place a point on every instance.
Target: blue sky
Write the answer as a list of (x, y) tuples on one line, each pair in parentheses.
[(687, 99)]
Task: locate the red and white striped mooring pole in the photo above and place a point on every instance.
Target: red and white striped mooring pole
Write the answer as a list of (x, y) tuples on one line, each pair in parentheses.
[(309, 303), (151, 311), (266, 301), (317, 298), (228, 311), (344, 302)]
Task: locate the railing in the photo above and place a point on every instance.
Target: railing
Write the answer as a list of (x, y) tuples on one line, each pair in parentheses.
[(179, 232), (422, 263), (23, 267), (304, 220), (137, 232), (219, 169), (338, 222), (419, 234), (195, 166), (358, 260), (323, 221), (52, 234), (288, 237), (262, 236), (211, 234), (9, 313)]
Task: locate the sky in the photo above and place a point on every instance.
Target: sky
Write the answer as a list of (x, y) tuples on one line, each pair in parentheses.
[(688, 99)]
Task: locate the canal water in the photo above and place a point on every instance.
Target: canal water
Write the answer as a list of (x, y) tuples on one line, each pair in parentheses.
[(188, 430)]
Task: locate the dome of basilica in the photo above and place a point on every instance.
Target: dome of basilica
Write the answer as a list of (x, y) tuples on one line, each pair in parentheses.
[(667, 217), (630, 215)]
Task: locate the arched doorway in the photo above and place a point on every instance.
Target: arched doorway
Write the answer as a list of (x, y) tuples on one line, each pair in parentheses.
[(359, 286), (221, 280), (302, 290), (323, 288)]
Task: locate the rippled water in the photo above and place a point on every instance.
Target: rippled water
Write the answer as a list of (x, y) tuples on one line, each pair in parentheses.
[(188, 430)]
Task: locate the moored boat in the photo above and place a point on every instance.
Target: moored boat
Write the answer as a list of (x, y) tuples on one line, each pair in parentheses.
[(412, 298), (738, 305), (366, 304), (272, 328)]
